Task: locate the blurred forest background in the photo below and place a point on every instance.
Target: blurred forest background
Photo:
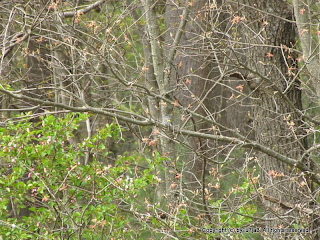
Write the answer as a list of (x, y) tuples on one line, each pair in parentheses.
[(159, 119)]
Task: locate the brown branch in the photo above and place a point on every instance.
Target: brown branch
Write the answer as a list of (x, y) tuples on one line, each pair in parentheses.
[(84, 10), (285, 204), (20, 109), (146, 122), (256, 146), (18, 38)]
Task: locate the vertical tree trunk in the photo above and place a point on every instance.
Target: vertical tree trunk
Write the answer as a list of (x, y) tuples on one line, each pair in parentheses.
[(277, 125), (161, 71), (201, 85)]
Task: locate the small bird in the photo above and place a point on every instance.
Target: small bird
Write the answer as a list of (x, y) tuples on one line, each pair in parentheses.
[(167, 121)]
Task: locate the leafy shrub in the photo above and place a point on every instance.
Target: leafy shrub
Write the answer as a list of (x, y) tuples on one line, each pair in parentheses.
[(44, 191)]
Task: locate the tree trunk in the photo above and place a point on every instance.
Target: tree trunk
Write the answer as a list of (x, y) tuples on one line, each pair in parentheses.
[(271, 77), (203, 86)]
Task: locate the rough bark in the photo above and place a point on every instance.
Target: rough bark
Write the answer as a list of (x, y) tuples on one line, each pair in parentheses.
[(271, 78)]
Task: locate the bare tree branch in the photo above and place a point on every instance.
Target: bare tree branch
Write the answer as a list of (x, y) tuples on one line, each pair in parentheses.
[(84, 10)]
